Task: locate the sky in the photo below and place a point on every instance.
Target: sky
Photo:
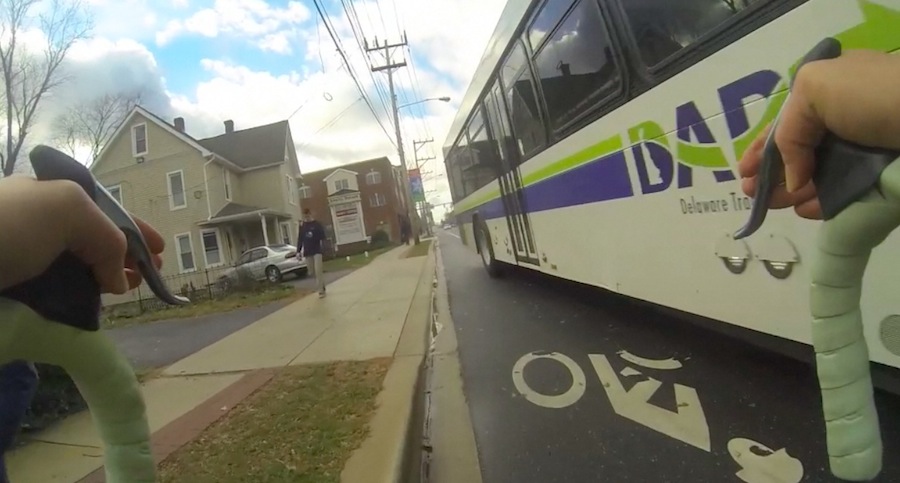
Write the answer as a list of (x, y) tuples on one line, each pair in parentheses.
[(256, 62)]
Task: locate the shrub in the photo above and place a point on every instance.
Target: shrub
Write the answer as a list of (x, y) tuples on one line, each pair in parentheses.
[(380, 239)]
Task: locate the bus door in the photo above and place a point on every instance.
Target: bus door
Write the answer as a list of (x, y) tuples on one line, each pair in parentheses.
[(510, 179)]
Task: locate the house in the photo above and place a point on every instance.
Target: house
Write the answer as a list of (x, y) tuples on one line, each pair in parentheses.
[(355, 200), (210, 198)]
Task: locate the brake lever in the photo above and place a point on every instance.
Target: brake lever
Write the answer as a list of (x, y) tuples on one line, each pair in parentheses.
[(67, 291), (858, 188)]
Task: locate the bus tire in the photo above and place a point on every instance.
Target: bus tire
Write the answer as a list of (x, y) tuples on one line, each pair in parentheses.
[(486, 250)]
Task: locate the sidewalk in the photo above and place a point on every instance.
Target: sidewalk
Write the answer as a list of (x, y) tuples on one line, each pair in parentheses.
[(380, 310)]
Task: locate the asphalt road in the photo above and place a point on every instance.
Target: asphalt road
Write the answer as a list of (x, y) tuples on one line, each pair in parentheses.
[(654, 399), (161, 343)]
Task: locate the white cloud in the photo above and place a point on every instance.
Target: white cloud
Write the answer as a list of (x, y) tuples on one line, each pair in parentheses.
[(126, 19), (270, 27)]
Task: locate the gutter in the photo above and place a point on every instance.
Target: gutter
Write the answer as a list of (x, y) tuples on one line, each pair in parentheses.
[(209, 159)]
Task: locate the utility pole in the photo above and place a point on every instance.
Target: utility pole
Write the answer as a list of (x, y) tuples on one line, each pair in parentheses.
[(389, 67), (424, 211)]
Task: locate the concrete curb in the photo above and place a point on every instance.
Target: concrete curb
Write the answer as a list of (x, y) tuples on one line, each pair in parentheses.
[(390, 453)]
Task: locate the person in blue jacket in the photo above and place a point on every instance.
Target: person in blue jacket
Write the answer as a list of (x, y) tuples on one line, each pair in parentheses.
[(310, 245)]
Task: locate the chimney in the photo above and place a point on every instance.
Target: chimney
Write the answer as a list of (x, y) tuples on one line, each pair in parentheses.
[(229, 126), (179, 124)]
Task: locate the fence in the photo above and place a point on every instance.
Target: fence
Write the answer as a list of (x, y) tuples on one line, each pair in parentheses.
[(200, 285)]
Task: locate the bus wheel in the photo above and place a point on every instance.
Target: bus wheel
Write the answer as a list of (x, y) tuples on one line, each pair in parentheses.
[(486, 249)]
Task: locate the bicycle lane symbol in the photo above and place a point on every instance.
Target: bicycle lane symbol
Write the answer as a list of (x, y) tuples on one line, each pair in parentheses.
[(688, 423)]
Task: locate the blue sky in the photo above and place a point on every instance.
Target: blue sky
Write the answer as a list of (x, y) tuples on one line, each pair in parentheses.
[(255, 61)]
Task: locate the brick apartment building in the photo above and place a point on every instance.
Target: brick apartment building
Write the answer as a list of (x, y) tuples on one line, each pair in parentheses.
[(354, 201)]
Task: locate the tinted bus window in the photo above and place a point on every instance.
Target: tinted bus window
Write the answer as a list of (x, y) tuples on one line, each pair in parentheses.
[(664, 27), (576, 65), (522, 102), (546, 19)]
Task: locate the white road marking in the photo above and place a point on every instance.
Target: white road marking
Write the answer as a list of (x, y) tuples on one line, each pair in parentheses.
[(556, 401), (771, 467), (661, 364), (688, 424), (629, 371), (454, 235)]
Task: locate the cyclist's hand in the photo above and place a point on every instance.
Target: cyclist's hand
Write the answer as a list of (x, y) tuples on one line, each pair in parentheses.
[(856, 96), (54, 216), (804, 200)]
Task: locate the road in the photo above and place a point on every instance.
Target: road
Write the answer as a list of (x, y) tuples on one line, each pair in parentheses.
[(654, 399), (159, 344)]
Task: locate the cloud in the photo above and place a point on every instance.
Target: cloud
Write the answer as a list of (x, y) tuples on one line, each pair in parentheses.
[(271, 27)]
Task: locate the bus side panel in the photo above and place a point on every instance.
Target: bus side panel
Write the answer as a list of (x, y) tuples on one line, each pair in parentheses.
[(669, 241)]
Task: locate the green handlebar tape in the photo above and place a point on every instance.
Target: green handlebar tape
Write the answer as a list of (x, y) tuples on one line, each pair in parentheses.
[(842, 357), (103, 376)]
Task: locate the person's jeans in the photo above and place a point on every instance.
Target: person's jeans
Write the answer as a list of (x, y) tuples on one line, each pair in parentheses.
[(18, 383), (319, 271)]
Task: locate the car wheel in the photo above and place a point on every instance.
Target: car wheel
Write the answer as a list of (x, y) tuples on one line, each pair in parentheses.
[(273, 274)]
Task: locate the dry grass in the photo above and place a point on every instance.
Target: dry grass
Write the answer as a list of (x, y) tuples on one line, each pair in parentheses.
[(419, 250), (356, 261), (301, 427), (208, 307)]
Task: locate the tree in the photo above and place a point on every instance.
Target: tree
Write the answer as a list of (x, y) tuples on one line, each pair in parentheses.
[(28, 75), (92, 123)]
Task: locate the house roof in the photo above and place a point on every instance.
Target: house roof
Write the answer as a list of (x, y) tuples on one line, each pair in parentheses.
[(343, 192), (251, 148), (231, 209), (238, 212)]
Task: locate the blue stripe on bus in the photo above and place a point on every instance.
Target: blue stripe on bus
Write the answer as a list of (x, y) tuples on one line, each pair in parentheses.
[(603, 179)]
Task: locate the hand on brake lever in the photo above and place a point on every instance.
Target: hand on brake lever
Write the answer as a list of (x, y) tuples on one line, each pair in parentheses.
[(53, 216), (853, 96)]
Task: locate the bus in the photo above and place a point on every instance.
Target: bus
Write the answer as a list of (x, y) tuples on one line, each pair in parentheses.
[(598, 142)]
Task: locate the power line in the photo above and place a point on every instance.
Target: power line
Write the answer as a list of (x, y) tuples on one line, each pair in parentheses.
[(337, 44)]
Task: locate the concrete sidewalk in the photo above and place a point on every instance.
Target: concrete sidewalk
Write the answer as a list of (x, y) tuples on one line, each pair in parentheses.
[(380, 310)]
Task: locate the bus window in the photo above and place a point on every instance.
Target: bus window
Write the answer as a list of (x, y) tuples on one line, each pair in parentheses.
[(480, 169), (522, 102), (499, 126), (455, 175), (663, 27), (545, 20), (485, 163), (576, 66)]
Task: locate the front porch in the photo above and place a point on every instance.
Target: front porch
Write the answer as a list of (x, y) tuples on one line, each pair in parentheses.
[(242, 227)]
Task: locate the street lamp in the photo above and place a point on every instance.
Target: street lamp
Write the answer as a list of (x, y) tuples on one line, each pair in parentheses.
[(410, 210), (442, 99)]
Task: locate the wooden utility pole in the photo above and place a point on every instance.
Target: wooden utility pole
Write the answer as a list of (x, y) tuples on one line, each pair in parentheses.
[(389, 67)]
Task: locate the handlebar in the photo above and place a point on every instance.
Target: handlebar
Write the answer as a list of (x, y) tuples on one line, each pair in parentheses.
[(55, 319), (859, 191)]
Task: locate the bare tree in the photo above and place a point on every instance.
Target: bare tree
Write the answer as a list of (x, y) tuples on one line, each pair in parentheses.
[(28, 75), (92, 123)]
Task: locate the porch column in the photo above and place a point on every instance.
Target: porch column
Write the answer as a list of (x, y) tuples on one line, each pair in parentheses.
[(262, 222)]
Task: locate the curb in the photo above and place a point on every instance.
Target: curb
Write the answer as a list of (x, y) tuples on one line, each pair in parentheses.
[(391, 453)]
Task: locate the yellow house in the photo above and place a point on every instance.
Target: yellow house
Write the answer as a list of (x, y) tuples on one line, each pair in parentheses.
[(211, 198)]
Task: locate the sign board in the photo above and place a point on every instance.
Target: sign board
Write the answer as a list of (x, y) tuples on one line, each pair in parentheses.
[(348, 225), (344, 198), (416, 186)]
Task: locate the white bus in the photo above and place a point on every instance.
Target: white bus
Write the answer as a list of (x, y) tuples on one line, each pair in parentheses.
[(598, 142)]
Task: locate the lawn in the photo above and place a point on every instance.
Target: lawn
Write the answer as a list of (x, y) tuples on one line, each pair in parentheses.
[(356, 261), (206, 307), (419, 250), (301, 427)]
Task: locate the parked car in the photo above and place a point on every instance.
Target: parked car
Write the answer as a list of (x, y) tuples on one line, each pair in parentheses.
[(270, 262)]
